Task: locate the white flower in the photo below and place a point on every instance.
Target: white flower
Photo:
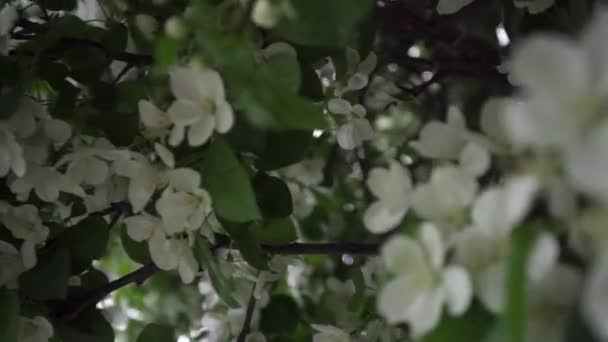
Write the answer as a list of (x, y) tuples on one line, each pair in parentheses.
[(20, 125), (595, 298), (88, 163), (113, 190), (155, 121), (393, 189), (147, 25), (200, 105), (357, 129), (483, 247), (171, 253), (534, 6), (491, 119), (167, 253), (307, 172), (8, 17), (445, 198), (564, 82), (45, 181), (358, 71), (328, 333), (25, 224), (145, 178), (440, 140), (216, 326), (585, 161), (11, 155), (303, 200), (50, 134), (423, 284), (11, 265), (268, 13), (451, 6), (380, 93), (183, 211), (37, 329), (474, 159)]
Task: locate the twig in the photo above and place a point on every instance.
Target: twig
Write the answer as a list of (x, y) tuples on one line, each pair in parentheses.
[(323, 248), (248, 316), (71, 308), (122, 72), (136, 60)]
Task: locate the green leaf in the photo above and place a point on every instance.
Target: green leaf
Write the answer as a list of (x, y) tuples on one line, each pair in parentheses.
[(266, 100), (311, 84), (93, 279), (472, 326), (284, 148), (136, 250), (86, 63), (9, 315), (49, 279), (310, 227), (272, 195), (157, 333), (286, 69), (221, 285), (277, 232), (120, 128), (261, 96), (115, 37), (166, 52), (86, 242), (89, 326), (325, 23), (247, 244), (128, 94), (514, 316), (280, 316), (228, 183)]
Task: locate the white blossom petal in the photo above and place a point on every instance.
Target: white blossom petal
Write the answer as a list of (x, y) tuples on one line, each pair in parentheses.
[(201, 131), (459, 289)]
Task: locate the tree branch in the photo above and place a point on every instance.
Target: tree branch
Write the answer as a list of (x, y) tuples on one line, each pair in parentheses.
[(323, 248), (72, 307), (248, 316), (71, 42)]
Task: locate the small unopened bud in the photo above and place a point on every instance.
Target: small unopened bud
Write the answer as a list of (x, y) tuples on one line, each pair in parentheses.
[(175, 28), (266, 14), (147, 25)]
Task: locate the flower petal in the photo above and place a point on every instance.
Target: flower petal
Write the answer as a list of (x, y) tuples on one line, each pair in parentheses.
[(163, 251), (185, 113), (396, 299), (224, 117), (199, 133), (379, 219), (184, 179), (459, 289), (403, 255)]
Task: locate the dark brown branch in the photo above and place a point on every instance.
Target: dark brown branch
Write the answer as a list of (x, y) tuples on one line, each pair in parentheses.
[(71, 42), (248, 316), (323, 248), (71, 308)]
